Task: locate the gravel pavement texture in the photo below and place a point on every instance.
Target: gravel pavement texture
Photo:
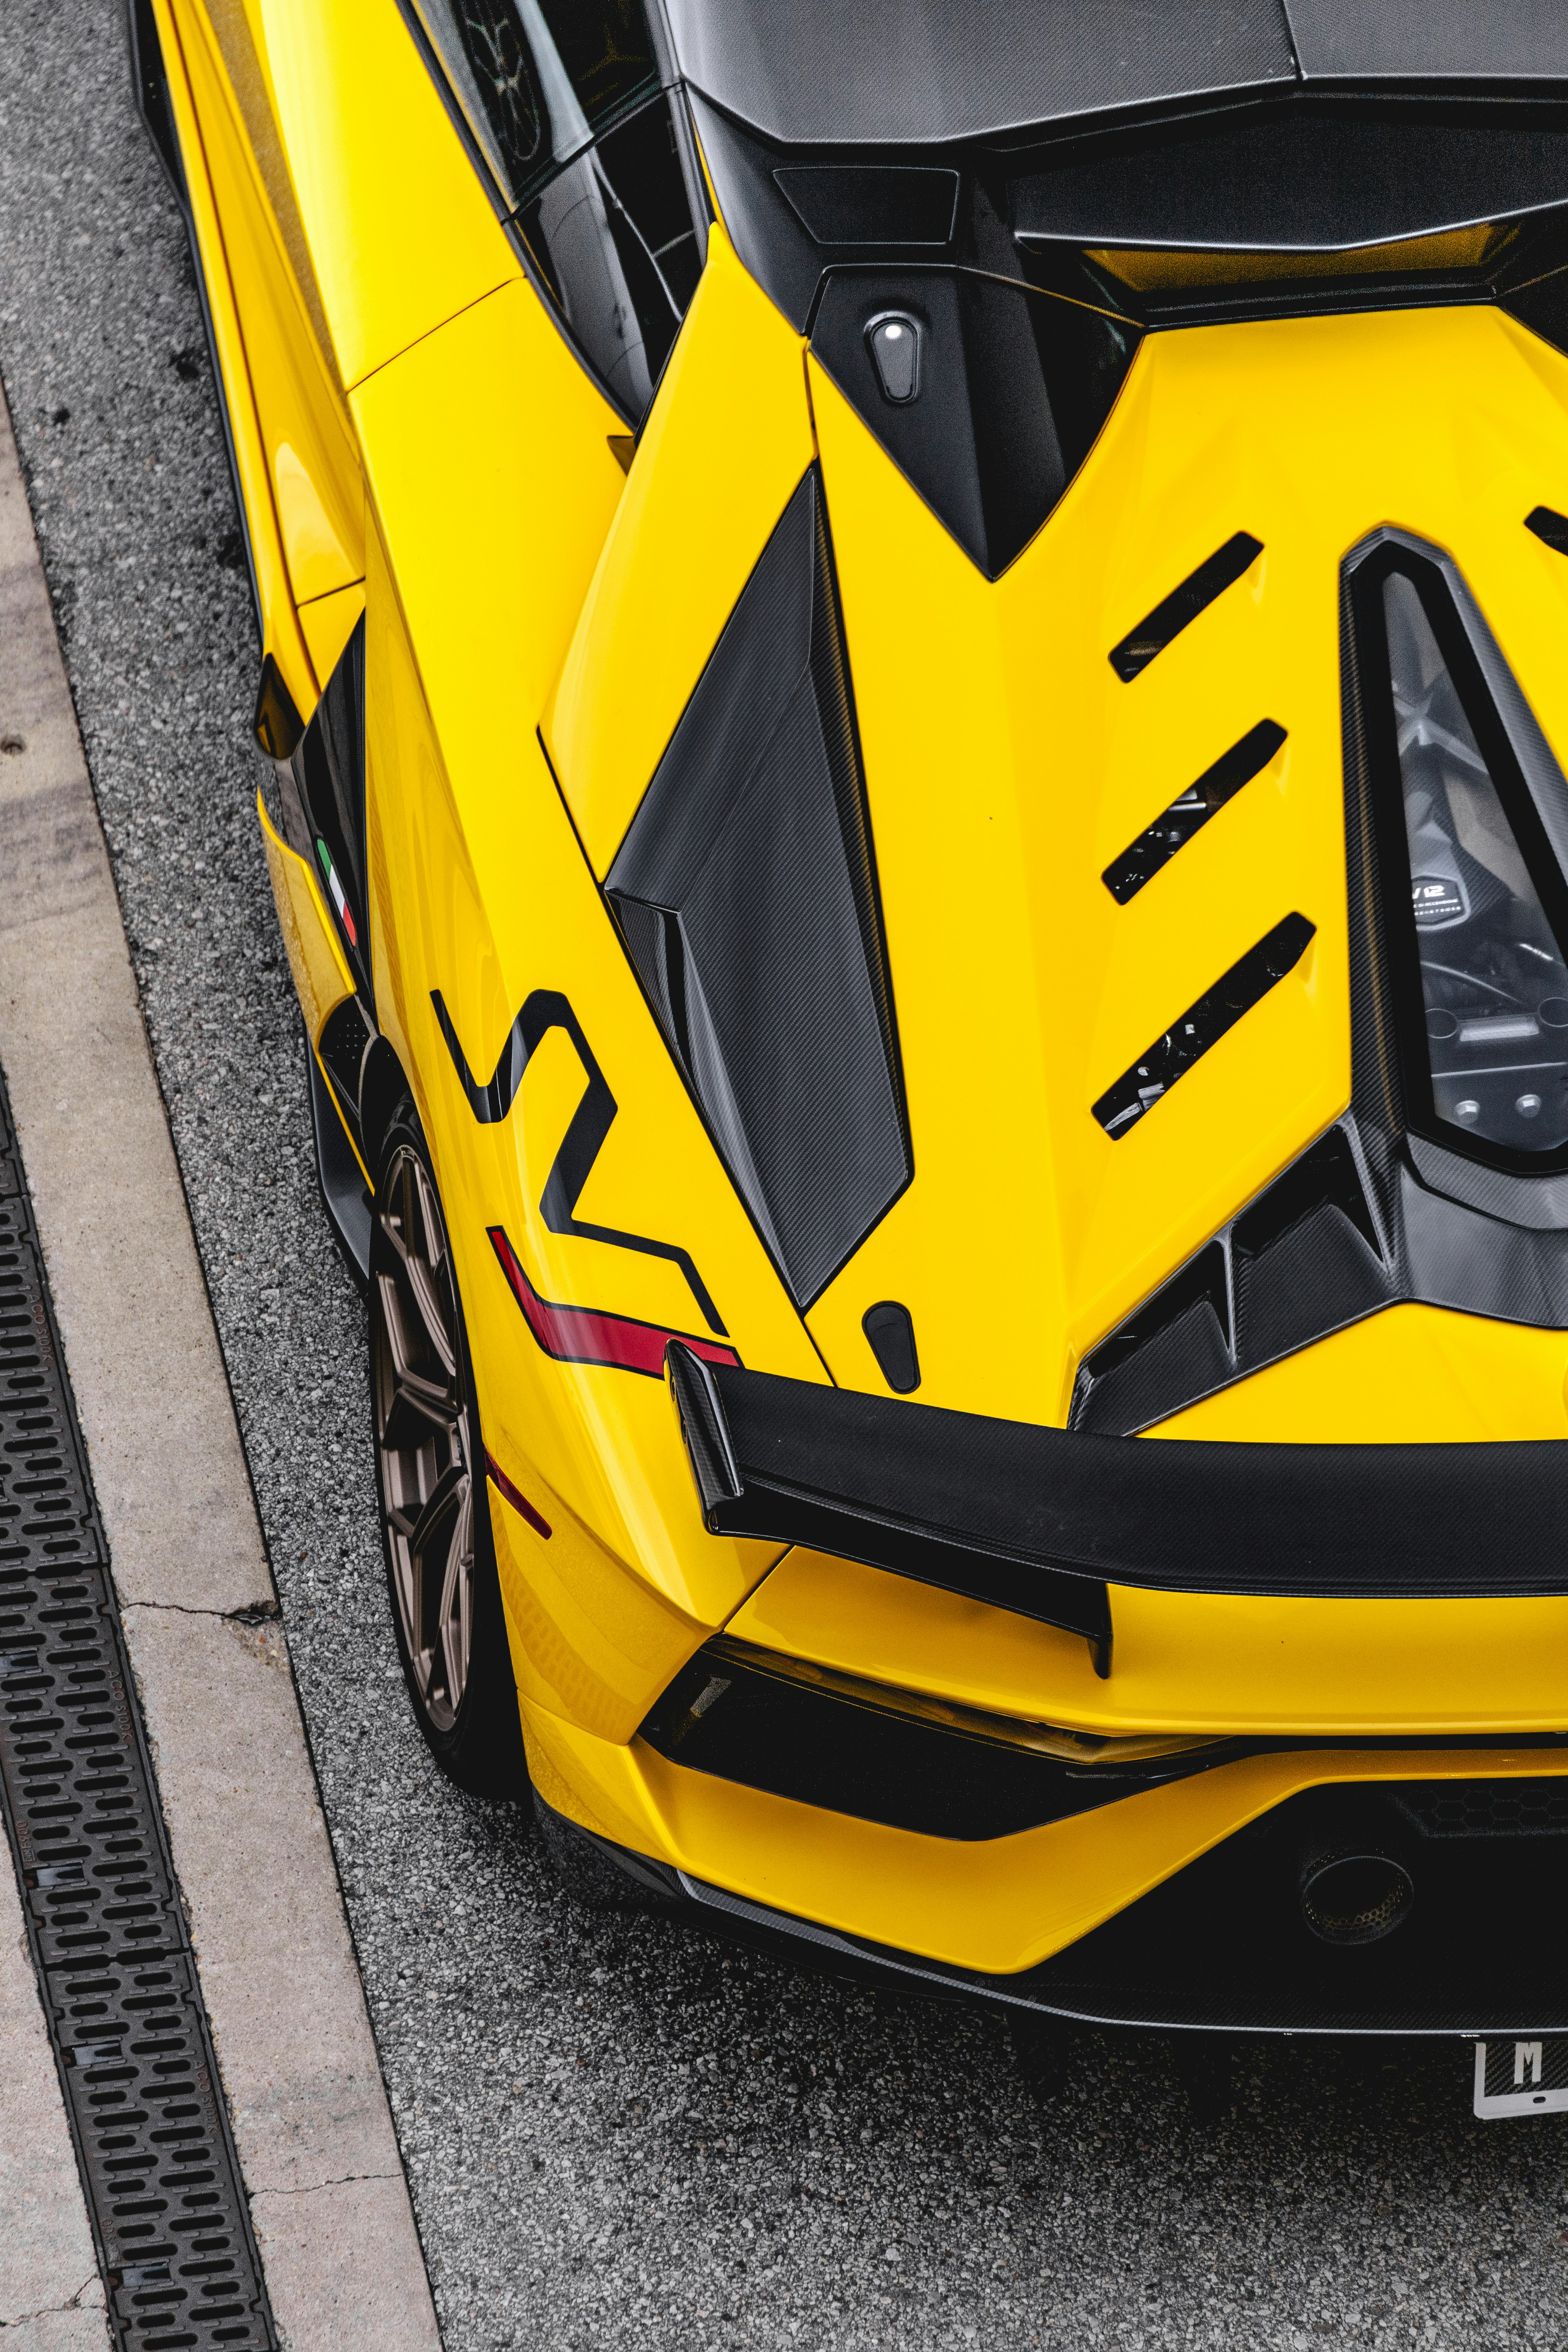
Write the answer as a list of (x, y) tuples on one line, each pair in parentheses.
[(617, 2131)]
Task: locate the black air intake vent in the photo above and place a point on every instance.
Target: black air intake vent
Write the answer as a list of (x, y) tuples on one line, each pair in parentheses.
[(746, 893), (1307, 1258)]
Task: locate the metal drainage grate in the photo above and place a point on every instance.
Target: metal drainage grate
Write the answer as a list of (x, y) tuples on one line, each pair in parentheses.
[(104, 1917)]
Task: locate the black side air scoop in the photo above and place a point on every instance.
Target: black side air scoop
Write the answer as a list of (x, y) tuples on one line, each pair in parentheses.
[(1041, 1520)]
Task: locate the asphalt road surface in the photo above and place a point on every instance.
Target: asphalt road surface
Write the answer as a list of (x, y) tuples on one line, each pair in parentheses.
[(617, 2131)]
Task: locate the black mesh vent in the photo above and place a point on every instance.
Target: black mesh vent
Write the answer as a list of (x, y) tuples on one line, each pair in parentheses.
[(1171, 831), (1487, 1809), (746, 893), (879, 1758)]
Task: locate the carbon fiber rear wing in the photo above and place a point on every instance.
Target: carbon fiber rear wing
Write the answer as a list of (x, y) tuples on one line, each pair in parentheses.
[(1042, 1521)]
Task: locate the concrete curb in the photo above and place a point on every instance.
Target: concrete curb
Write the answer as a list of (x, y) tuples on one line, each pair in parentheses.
[(51, 2297), (311, 2117)]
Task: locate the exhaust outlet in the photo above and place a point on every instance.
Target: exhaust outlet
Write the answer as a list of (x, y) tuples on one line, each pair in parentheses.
[(1350, 1897)]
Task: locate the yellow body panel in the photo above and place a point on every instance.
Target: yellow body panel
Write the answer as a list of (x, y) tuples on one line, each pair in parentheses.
[(536, 621), (589, 1639), (280, 627), (1000, 1904), (1007, 765), (310, 450), (401, 236), (1186, 1663), (236, 32), (725, 444), (328, 624), (1416, 1375), (322, 975), (479, 888)]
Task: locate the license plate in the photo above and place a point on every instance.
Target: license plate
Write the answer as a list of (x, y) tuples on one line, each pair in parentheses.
[(1521, 2078)]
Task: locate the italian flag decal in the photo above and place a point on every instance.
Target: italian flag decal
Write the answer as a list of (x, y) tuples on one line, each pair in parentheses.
[(336, 888)]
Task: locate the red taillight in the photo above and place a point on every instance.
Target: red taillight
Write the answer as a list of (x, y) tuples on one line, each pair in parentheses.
[(584, 1335)]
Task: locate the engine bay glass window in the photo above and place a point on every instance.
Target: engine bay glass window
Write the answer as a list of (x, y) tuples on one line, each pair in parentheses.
[(538, 80), (563, 103), (1494, 981), (614, 237)]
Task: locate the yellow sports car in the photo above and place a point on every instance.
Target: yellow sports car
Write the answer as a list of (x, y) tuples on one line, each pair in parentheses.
[(913, 672)]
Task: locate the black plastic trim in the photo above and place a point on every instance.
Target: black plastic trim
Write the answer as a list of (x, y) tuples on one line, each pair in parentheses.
[(277, 726), (1190, 1036), (150, 82), (1310, 176), (890, 1334), (744, 1719), (1171, 831), (1548, 526), (1182, 607), (831, 1492), (351, 1210)]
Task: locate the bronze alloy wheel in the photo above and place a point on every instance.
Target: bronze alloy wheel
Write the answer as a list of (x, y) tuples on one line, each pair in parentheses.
[(430, 1476), (425, 1442)]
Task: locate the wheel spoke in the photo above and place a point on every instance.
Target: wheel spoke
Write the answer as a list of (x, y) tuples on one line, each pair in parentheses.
[(457, 1597), (447, 1493), (423, 1437), (425, 1290)]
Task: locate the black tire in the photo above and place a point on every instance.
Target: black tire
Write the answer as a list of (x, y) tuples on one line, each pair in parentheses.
[(431, 1485)]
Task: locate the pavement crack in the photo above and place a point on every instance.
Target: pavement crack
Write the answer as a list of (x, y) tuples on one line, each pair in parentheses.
[(49, 2310), (307, 2188), (256, 1613)]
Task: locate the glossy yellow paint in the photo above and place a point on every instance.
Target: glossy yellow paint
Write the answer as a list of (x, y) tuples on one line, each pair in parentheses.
[(1001, 1905), (1185, 1663), (1410, 1375), (589, 1639), (328, 624), (310, 448), (495, 548), (521, 592), (321, 971), (479, 888), (236, 31), (400, 233), (1007, 765), (725, 444), (280, 627)]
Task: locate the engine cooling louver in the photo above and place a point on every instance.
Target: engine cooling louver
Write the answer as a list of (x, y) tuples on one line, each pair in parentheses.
[(746, 894)]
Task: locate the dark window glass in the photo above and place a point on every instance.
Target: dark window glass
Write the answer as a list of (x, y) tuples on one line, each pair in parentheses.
[(1493, 982), (613, 235), (537, 80)]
